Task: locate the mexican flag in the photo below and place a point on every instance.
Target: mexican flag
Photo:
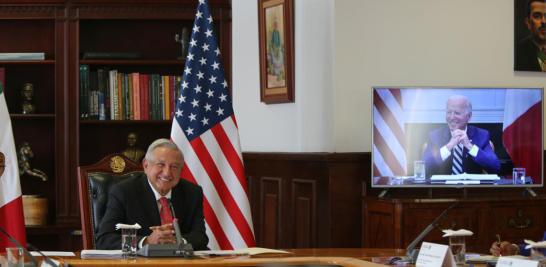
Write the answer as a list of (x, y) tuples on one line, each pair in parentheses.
[(11, 203), (522, 116)]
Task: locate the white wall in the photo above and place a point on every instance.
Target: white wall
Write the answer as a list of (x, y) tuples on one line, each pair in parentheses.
[(371, 43), (417, 43), (305, 125)]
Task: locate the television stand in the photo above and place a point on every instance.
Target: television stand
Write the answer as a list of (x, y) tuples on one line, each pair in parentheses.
[(431, 196), (395, 222), (529, 191)]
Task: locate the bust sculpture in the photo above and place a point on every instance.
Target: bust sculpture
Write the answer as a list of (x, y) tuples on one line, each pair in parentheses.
[(132, 152), (27, 93)]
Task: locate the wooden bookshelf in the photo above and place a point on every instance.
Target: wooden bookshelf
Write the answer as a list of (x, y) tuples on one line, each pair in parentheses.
[(63, 31)]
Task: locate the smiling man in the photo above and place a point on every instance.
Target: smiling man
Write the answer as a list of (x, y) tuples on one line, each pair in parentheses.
[(153, 199), (459, 147), (530, 52)]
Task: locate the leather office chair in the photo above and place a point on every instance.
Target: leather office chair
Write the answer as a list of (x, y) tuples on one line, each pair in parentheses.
[(94, 182)]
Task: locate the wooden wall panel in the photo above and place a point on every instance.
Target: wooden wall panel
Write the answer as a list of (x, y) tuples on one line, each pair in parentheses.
[(319, 198), (304, 197), (270, 210)]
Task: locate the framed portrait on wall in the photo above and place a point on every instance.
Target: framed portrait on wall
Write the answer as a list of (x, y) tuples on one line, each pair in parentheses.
[(529, 35), (276, 51)]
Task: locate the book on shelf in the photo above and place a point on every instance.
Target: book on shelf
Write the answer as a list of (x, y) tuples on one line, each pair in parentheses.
[(22, 56), (113, 87), (108, 94), (84, 91)]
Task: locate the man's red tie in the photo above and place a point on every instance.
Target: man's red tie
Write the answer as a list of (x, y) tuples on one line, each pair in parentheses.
[(165, 212)]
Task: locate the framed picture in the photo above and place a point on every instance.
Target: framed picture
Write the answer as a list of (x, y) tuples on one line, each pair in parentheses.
[(276, 51), (529, 36)]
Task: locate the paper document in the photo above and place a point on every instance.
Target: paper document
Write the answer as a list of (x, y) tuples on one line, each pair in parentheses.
[(466, 176), (482, 259), (490, 258), (462, 182), (53, 253), (533, 244), (101, 254), (246, 251), (460, 232), (127, 226)]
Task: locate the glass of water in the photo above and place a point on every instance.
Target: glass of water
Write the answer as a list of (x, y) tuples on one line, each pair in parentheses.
[(128, 243), (458, 248), (419, 170), (518, 175)]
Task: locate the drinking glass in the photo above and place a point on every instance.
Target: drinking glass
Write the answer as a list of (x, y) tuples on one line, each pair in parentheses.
[(518, 175), (458, 248), (419, 169), (128, 243), (15, 257)]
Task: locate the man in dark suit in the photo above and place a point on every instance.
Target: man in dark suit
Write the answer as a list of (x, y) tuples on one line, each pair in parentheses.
[(530, 54), (459, 147), (151, 199)]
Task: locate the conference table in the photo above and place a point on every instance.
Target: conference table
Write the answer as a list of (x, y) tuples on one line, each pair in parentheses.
[(317, 257)]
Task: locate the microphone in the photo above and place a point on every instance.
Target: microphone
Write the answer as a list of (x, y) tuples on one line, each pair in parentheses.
[(177, 233), (18, 245), (181, 248), (184, 247), (411, 252)]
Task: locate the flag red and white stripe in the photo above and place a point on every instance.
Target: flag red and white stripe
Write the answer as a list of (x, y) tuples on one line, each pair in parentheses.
[(389, 147), (11, 204), (522, 114), (214, 161)]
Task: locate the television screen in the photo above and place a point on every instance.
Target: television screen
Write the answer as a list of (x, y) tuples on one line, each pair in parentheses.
[(457, 137)]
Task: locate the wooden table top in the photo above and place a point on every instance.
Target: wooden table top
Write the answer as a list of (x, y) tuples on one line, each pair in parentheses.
[(349, 257)]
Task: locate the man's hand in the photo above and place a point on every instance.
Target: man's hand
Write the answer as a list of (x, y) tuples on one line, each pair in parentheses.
[(163, 234), (452, 142), (459, 137)]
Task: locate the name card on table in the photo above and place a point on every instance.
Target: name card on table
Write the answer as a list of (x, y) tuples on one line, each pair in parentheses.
[(435, 255), (512, 262)]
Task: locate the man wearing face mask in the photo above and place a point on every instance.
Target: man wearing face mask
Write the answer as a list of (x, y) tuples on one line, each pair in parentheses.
[(153, 200), (458, 147), (530, 52)]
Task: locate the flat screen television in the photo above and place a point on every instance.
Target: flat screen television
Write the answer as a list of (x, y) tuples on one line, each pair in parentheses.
[(457, 137)]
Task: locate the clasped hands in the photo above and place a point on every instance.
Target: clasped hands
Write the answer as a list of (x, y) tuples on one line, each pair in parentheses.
[(459, 137), (163, 234), (503, 248)]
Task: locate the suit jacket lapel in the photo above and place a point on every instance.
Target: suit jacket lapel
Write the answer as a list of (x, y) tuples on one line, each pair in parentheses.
[(149, 203), (178, 198), (470, 132)]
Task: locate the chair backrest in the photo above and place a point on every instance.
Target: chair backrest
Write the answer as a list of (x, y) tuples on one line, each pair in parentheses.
[(94, 183)]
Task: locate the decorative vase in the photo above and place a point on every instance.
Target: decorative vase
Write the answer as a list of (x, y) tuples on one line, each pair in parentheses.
[(35, 209)]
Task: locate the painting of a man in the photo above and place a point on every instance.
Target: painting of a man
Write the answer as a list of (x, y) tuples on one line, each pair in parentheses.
[(530, 50), (275, 47)]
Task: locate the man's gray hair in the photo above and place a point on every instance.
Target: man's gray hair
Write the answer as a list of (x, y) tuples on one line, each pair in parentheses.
[(462, 97), (162, 142)]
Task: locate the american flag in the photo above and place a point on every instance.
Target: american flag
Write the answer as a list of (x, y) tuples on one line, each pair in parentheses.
[(204, 128), (389, 145)]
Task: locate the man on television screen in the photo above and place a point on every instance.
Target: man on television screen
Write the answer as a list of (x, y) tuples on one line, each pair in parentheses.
[(458, 147)]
